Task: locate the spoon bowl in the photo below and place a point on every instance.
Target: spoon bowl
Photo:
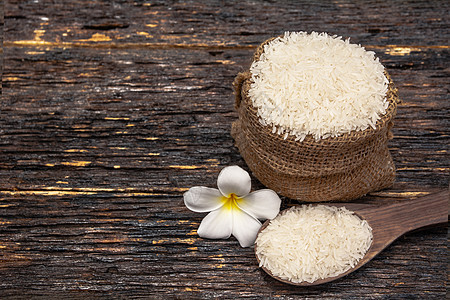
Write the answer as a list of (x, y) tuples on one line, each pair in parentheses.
[(388, 222)]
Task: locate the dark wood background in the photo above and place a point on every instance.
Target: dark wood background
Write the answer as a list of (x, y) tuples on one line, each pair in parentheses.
[(112, 109)]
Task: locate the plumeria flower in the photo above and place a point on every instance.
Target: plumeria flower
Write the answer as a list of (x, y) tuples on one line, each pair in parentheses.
[(233, 209)]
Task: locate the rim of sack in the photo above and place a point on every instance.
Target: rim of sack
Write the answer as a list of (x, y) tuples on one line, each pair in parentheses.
[(244, 78)]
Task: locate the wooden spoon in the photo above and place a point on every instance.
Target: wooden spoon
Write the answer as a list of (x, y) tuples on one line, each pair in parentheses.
[(388, 222)]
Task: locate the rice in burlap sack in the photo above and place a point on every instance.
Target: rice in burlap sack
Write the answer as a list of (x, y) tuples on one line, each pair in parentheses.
[(336, 168)]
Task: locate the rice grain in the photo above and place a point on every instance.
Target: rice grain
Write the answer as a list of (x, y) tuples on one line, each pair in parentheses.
[(307, 243)]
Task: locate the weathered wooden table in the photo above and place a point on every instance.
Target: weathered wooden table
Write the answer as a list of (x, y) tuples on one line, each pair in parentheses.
[(112, 109)]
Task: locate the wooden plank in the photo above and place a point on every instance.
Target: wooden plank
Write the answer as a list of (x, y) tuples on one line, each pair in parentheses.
[(122, 245), (151, 114), (111, 110), (170, 23)]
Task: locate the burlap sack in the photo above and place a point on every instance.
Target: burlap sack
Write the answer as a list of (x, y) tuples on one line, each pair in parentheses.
[(341, 168)]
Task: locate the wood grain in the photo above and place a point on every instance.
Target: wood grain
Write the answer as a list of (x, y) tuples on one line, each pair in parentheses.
[(110, 110)]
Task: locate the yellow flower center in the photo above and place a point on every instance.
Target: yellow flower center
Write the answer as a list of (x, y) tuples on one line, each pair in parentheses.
[(231, 201)]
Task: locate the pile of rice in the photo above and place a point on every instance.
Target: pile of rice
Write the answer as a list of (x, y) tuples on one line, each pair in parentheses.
[(317, 84), (307, 243)]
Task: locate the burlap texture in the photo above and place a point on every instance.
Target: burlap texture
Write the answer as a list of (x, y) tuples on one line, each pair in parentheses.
[(341, 168)]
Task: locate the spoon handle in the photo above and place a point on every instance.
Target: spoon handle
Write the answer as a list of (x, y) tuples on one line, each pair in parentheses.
[(402, 217)]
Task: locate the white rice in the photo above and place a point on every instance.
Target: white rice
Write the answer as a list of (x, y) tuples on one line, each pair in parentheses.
[(307, 243), (317, 84)]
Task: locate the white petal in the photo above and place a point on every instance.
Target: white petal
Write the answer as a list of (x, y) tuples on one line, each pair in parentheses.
[(216, 225), (262, 204), (234, 180), (245, 228), (203, 199)]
